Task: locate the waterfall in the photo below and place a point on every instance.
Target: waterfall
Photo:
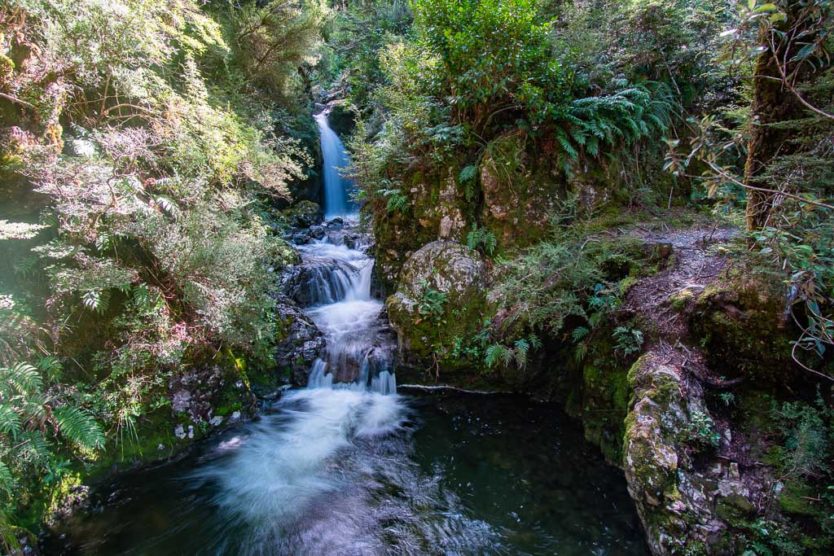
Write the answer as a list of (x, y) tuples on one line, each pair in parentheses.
[(359, 343), (337, 189)]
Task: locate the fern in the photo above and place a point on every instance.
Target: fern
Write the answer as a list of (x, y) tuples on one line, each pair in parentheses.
[(482, 239), (9, 421), (22, 379), (564, 141), (95, 300), (496, 353), (79, 428), (51, 367), (7, 481), (579, 333), (521, 348), (168, 206), (397, 201), (468, 179)]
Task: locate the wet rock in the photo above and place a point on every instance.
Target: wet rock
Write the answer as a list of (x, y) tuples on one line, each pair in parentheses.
[(74, 501), (317, 280), (351, 241), (336, 224), (317, 232), (301, 238), (301, 343)]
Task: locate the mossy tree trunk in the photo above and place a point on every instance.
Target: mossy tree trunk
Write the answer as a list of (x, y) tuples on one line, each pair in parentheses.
[(779, 70), (773, 103)]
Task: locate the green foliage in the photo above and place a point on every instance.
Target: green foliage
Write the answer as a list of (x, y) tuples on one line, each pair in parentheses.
[(807, 435), (628, 341), (481, 239), (274, 38), (156, 135), (495, 55), (515, 354), (40, 426), (564, 277), (397, 201), (431, 303), (701, 431)]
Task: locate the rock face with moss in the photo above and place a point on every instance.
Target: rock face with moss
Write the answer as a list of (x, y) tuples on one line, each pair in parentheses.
[(520, 192), (436, 208), (441, 295), (674, 501), (742, 321)]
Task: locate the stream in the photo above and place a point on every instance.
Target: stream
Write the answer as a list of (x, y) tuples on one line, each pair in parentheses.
[(351, 466)]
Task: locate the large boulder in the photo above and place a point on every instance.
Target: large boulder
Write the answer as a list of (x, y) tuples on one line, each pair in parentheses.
[(678, 461), (441, 296), (740, 319)]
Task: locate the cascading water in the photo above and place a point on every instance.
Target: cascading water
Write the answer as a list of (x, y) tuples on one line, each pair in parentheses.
[(358, 349), (337, 189)]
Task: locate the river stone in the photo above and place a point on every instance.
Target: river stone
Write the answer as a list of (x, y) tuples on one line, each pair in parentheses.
[(317, 232), (451, 269)]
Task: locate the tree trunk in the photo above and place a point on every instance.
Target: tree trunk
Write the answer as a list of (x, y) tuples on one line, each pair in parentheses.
[(772, 103)]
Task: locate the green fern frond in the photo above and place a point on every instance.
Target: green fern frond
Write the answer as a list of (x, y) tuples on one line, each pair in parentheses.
[(7, 481), (564, 141), (22, 378), (79, 428), (9, 421)]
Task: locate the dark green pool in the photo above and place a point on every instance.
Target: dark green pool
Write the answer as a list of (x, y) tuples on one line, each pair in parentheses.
[(348, 472)]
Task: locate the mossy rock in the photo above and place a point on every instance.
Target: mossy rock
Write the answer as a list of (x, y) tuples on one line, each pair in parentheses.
[(342, 117), (800, 498), (303, 214), (437, 209), (441, 296), (740, 321), (521, 192)]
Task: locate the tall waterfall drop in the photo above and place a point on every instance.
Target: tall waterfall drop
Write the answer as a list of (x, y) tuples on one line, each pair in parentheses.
[(337, 189)]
